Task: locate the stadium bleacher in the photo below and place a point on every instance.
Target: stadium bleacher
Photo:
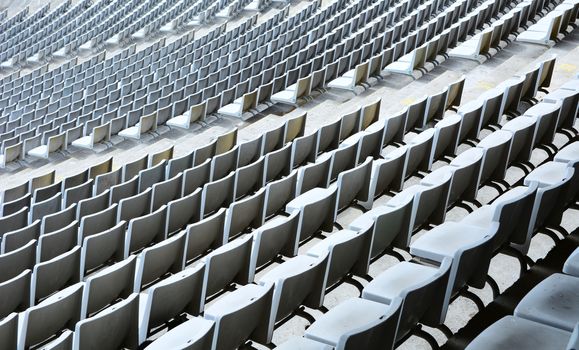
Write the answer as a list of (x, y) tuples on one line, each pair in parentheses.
[(258, 174)]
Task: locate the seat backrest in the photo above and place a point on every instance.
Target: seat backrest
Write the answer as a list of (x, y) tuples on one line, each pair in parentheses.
[(101, 133), (134, 206), (57, 312), (249, 178), (108, 285), (354, 184), (18, 238), (222, 164), (183, 211), (157, 260), (148, 123), (9, 331), (150, 176), (50, 206), (205, 234), (55, 274), (130, 170), (304, 149), (242, 314), (16, 261), (123, 317), (15, 294), (196, 177), (145, 229), (218, 194), (244, 214), (415, 114), (160, 156), (56, 142), (299, 280), (228, 263), (166, 191), (329, 136), (171, 297), (277, 163), (57, 242)]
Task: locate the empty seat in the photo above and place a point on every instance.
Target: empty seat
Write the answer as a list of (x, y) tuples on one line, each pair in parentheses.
[(145, 230), (54, 144), (299, 280), (97, 331), (108, 285), (242, 315), (553, 302), (59, 311), (162, 258), (317, 209), (422, 288), (357, 324), (55, 274), (17, 261), (15, 294), (512, 332), (98, 135), (168, 299), (195, 333)]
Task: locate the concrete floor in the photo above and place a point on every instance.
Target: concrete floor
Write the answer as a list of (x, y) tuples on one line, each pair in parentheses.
[(396, 91)]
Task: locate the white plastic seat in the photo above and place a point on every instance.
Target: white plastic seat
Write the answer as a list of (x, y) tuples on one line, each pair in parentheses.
[(571, 266), (99, 134), (317, 209), (146, 124)]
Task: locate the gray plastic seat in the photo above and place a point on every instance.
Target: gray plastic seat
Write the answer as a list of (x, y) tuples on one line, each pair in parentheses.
[(224, 163), (241, 315), (391, 225), (279, 193), (354, 185), (152, 175), (55, 274), (511, 210), (15, 294), (183, 211), (422, 288), (9, 331), (59, 311), (145, 230), (58, 242), (169, 298), (164, 257), (277, 163), (304, 150), (50, 206), (317, 209), (18, 238), (248, 179), (166, 191), (512, 332), (217, 194), (496, 147), (14, 221), (419, 153), (465, 170), (244, 214), (430, 201), (57, 221), (471, 253), (357, 324), (227, 264), (196, 177), (108, 285), (134, 206), (553, 302), (277, 236), (194, 334), (102, 247), (299, 280), (204, 235), (17, 261), (349, 251), (115, 327)]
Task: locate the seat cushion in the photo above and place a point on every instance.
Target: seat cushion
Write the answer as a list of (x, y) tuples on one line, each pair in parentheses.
[(554, 302), (515, 333)]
